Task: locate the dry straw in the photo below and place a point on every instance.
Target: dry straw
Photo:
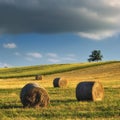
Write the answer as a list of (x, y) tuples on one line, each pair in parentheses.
[(89, 91), (32, 95), (60, 82), (39, 77)]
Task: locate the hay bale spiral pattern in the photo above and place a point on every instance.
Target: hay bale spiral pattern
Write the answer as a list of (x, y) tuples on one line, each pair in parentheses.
[(89, 91), (60, 82), (32, 95), (39, 77)]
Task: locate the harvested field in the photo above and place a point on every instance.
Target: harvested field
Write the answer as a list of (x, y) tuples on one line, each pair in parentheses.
[(63, 103)]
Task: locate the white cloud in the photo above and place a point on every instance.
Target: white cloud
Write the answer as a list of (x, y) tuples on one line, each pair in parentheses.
[(98, 35), (54, 55), (3, 65), (17, 53), (9, 45), (34, 55), (69, 57), (54, 60), (113, 3), (29, 58)]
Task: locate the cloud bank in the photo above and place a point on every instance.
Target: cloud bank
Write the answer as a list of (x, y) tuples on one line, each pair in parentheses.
[(87, 18)]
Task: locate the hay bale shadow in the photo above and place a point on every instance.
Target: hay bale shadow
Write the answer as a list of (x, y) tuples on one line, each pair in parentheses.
[(11, 106)]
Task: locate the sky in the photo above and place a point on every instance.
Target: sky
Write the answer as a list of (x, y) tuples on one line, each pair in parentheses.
[(38, 32)]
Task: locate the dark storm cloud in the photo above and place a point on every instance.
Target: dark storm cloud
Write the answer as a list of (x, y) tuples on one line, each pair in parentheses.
[(85, 17)]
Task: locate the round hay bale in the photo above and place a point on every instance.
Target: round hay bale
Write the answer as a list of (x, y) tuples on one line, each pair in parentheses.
[(89, 91), (60, 82), (39, 77), (32, 95)]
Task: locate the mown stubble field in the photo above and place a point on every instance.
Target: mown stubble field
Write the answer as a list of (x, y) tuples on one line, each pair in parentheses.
[(63, 103)]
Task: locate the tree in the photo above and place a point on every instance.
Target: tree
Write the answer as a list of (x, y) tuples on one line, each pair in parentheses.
[(95, 56)]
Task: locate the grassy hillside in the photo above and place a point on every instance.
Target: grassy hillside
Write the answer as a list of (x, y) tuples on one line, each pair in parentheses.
[(45, 69), (63, 103)]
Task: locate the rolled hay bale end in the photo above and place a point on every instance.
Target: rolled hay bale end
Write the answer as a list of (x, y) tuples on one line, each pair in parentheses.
[(60, 82), (39, 77), (32, 95), (89, 91)]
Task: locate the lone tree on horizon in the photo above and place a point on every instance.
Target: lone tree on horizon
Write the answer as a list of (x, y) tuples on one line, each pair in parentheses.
[(95, 56)]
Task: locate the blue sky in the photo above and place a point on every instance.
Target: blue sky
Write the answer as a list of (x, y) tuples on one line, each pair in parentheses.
[(37, 49), (52, 32)]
